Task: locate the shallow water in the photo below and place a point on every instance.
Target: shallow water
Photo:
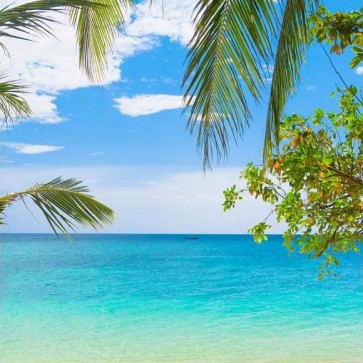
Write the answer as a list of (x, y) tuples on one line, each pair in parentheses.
[(161, 298)]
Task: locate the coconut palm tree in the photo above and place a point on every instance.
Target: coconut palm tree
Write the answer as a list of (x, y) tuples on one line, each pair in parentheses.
[(64, 203), (234, 42)]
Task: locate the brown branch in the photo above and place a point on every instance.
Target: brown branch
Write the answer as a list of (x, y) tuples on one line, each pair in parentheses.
[(345, 175)]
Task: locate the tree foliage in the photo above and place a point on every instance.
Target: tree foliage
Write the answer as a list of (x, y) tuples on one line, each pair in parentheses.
[(314, 180), (340, 30), (315, 184)]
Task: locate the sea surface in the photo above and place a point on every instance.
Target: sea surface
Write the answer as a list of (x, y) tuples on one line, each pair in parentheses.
[(163, 298)]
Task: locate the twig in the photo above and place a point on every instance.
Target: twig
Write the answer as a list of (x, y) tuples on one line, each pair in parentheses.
[(340, 76)]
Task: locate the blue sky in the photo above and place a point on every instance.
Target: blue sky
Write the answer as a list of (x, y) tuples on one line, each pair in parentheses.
[(127, 138)]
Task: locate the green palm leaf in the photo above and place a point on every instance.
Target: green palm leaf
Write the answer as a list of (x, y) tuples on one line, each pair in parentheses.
[(32, 18), (96, 32), (290, 56), (232, 41), (96, 23), (64, 204), (12, 104), (230, 46)]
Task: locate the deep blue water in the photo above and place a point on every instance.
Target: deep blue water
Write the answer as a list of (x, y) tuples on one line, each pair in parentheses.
[(161, 298)]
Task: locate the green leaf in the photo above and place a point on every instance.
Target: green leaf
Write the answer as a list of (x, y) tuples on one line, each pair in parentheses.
[(64, 203), (230, 46), (319, 114), (12, 105)]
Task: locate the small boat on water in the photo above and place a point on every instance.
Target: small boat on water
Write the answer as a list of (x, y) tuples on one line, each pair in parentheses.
[(191, 237)]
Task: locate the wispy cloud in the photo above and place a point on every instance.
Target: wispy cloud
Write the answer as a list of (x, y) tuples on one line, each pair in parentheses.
[(148, 80), (310, 88), (359, 70), (147, 104), (167, 80), (31, 149), (3, 159)]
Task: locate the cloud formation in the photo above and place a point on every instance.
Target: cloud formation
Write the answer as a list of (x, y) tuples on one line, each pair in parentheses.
[(359, 70), (31, 149), (50, 66), (147, 104)]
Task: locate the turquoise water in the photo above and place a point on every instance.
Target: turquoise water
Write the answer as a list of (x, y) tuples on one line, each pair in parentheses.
[(161, 298)]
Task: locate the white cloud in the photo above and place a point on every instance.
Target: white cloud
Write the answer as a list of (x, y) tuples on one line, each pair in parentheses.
[(30, 149), (50, 66), (145, 199), (43, 108), (147, 104), (172, 18), (359, 70)]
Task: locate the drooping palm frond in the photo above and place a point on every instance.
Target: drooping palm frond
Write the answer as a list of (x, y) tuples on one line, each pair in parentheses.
[(32, 18), (232, 40), (96, 23), (96, 31), (64, 204), (231, 43), (290, 54), (12, 105)]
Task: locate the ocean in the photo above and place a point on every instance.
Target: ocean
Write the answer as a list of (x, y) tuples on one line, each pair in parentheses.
[(164, 298)]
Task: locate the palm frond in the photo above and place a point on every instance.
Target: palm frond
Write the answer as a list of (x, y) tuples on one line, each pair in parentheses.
[(290, 54), (96, 29), (32, 18), (96, 22), (12, 105), (64, 204), (231, 43)]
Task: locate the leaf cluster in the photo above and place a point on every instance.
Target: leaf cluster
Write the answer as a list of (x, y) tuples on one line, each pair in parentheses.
[(315, 182), (340, 29)]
